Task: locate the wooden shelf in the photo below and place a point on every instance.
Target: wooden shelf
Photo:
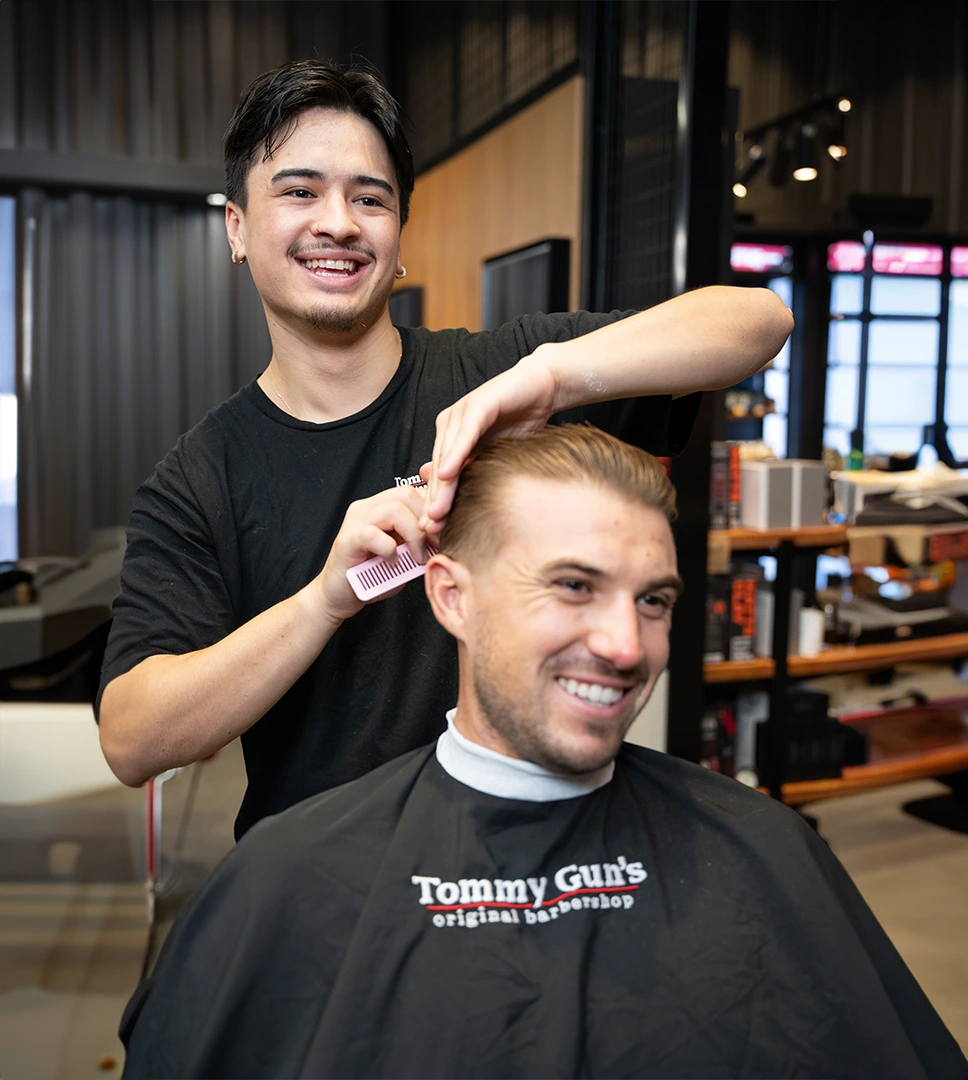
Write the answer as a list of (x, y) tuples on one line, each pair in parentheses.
[(738, 670), (722, 542), (818, 536), (870, 657), (842, 658), (903, 745)]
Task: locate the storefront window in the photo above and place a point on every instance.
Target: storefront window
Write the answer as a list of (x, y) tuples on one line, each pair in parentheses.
[(769, 265), (885, 344)]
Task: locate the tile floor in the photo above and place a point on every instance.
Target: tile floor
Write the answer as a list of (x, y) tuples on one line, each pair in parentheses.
[(74, 927)]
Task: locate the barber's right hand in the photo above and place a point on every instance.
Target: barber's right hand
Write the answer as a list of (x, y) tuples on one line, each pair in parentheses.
[(373, 526)]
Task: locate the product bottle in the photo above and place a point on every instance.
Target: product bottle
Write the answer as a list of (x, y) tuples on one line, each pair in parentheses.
[(828, 598)]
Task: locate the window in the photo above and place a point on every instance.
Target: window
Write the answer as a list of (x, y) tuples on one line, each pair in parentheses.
[(886, 350), (8, 385), (772, 264)]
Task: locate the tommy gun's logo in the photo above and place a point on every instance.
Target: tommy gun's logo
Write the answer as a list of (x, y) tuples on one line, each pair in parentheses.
[(472, 902)]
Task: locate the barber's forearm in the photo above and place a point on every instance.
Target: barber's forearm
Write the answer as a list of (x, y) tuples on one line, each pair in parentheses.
[(172, 710), (703, 340)]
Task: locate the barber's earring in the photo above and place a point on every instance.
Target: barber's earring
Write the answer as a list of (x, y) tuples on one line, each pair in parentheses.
[(237, 259), (401, 273)]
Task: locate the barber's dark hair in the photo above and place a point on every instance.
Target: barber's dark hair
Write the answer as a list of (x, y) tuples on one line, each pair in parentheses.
[(271, 104)]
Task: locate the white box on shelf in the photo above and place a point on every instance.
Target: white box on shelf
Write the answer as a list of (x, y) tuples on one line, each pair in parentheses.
[(766, 501), (809, 494)]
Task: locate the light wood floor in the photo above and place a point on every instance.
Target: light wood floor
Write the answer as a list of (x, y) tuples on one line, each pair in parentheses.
[(73, 932)]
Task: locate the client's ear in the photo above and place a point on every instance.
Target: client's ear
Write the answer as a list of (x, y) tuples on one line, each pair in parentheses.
[(448, 584)]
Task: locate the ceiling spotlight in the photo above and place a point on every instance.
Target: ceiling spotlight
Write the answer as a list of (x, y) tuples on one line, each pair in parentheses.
[(757, 159), (216, 199), (844, 104), (836, 140), (806, 168)]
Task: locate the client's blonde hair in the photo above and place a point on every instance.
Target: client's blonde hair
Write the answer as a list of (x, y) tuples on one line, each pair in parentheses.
[(567, 453)]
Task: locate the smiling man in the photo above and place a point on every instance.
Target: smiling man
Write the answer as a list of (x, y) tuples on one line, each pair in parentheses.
[(235, 616), (529, 896)]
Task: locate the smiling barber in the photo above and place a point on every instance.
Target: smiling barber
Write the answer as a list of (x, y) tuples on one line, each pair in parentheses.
[(235, 616)]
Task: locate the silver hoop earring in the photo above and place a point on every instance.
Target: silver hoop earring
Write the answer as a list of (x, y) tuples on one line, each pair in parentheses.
[(401, 273), (239, 261)]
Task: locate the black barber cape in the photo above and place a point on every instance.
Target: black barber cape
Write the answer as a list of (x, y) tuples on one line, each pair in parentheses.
[(668, 923)]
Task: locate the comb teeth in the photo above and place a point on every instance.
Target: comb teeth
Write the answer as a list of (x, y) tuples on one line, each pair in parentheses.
[(378, 576)]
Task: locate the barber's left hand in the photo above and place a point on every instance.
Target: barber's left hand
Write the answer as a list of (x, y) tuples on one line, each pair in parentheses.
[(517, 402)]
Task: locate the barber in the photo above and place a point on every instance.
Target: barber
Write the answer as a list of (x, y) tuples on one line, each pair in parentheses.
[(234, 616)]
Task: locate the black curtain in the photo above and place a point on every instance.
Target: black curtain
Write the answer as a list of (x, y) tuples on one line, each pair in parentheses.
[(133, 323)]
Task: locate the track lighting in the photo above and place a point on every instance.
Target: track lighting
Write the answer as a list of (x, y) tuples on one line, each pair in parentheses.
[(757, 159), (806, 168), (821, 119)]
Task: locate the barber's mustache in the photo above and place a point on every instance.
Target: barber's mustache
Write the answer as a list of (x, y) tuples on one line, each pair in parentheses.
[(303, 250)]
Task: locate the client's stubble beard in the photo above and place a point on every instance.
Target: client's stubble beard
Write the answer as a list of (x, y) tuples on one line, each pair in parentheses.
[(529, 736)]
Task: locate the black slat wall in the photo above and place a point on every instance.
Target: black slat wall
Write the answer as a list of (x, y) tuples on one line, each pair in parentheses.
[(903, 66), (132, 320), (157, 78), (647, 171), (459, 68)]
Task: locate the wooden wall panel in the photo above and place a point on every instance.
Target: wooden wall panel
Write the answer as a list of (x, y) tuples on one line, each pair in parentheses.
[(520, 183)]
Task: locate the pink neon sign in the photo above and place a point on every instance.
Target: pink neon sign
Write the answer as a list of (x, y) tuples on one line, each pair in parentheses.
[(908, 259), (846, 257), (758, 258)]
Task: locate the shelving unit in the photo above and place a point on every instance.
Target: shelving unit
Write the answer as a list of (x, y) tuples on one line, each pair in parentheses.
[(906, 744), (922, 755)]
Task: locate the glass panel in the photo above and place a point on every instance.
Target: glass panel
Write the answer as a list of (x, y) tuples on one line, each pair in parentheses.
[(846, 256), (897, 341), (775, 387), (958, 324), (892, 440), (905, 296), (783, 287), (900, 395), (958, 441), (956, 397), (841, 405), (908, 259), (959, 262), (759, 258), (846, 294), (843, 343), (838, 438), (8, 400), (775, 433)]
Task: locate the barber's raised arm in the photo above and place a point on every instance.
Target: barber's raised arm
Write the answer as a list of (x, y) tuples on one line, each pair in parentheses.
[(703, 340), (170, 710)]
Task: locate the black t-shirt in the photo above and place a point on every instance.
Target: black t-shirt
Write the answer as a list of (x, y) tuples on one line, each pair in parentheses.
[(243, 511), (670, 924)]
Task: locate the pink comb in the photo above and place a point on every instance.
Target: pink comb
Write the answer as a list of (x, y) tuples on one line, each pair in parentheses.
[(378, 576)]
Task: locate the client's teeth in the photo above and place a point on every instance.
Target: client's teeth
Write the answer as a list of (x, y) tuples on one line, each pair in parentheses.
[(592, 692)]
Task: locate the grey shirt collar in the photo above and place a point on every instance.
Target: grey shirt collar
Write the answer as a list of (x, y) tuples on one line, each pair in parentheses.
[(510, 778)]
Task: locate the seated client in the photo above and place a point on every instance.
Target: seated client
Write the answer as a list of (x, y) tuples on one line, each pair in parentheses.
[(530, 896)]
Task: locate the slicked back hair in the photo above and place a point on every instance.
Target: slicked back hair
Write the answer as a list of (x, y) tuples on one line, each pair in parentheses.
[(476, 526), (272, 103)]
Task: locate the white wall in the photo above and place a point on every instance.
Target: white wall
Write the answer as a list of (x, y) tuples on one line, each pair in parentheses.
[(650, 727), (49, 751)]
